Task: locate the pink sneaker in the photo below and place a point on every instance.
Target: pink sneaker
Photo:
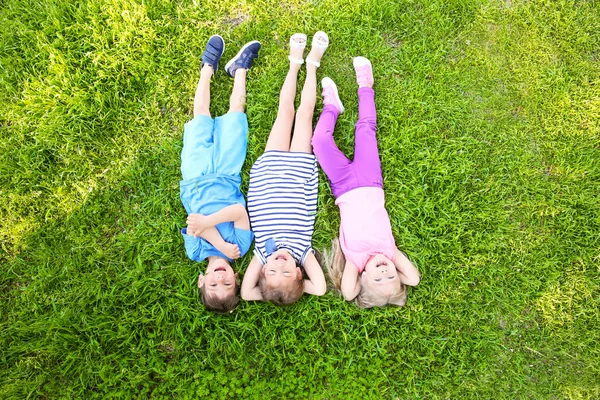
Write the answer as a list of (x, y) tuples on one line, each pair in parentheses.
[(330, 94), (364, 71)]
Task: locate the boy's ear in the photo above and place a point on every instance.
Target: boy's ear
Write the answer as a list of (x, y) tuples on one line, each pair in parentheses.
[(298, 273), (363, 276), (201, 281)]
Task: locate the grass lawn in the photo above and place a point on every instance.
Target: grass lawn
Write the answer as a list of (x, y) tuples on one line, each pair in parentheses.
[(489, 130)]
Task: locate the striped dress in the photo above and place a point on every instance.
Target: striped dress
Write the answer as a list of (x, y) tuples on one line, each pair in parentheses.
[(282, 202)]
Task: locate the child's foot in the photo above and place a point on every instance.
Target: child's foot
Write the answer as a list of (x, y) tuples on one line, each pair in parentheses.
[(330, 94), (364, 72), (297, 45), (244, 58), (213, 51), (320, 42)]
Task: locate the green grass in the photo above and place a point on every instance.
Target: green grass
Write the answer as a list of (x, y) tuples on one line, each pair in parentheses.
[(489, 129)]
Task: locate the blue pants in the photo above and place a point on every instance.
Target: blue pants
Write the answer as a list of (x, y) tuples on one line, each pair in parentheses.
[(214, 146)]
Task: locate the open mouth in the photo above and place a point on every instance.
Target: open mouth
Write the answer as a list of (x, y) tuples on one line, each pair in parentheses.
[(281, 257), (220, 269), (380, 264)]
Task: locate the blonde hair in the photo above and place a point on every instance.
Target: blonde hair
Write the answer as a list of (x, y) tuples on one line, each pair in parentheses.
[(368, 297), (278, 296)]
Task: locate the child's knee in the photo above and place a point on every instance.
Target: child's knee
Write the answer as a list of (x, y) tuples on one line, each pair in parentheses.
[(237, 103), (319, 140), (367, 122), (286, 110)]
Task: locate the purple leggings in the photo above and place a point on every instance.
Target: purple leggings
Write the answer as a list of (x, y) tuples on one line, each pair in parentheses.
[(365, 169)]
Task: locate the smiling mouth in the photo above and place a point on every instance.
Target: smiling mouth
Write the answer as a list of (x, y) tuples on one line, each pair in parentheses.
[(281, 257), (220, 269), (380, 263)]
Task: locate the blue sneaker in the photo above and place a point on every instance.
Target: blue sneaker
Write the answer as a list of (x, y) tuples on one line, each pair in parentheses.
[(213, 52), (244, 58)]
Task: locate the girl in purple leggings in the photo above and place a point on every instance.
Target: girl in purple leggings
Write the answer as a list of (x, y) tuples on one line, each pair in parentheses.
[(375, 272)]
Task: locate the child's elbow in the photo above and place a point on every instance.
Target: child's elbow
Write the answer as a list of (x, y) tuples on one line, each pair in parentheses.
[(246, 294), (412, 281), (320, 291), (348, 296)]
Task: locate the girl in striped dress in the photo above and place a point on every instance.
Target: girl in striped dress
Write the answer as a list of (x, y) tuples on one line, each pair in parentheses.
[(282, 194)]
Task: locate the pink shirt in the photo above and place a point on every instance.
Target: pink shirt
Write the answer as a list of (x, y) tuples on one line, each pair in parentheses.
[(365, 228)]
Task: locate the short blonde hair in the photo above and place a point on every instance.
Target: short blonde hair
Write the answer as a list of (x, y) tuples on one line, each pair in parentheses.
[(368, 297), (278, 296)]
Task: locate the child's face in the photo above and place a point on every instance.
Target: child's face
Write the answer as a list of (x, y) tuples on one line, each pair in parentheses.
[(219, 279), (380, 273), (281, 269)]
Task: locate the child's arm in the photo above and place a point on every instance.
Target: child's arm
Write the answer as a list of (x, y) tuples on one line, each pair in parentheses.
[(315, 284), (350, 281), (407, 271), (235, 212), (212, 236), (250, 290)]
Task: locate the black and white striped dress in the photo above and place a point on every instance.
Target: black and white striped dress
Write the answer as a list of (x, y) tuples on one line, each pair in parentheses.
[(282, 202)]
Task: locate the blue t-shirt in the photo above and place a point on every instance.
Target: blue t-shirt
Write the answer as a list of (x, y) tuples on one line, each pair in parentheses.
[(206, 195)]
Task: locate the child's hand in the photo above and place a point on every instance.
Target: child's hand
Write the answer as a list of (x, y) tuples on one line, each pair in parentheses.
[(232, 251), (197, 223)]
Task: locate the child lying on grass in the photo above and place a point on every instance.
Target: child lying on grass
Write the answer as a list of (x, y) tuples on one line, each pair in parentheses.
[(375, 272), (282, 195), (214, 150)]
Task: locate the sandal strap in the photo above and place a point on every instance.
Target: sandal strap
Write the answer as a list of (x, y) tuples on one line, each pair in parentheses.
[(298, 44), (298, 61), (320, 40), (313, 62)]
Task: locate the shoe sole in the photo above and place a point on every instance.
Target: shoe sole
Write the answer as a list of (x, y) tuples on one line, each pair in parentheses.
[(337, 95), (244, 47)]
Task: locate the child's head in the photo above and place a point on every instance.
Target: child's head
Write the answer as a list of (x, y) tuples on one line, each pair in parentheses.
[(218, 286), (281, 281), (380, 284)]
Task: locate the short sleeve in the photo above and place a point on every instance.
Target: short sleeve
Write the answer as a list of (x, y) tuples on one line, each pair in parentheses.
[(197, 249), (244, 240), (259, 254), (305, 254)]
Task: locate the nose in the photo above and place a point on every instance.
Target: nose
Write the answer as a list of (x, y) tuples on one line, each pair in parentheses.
[(220, 277)]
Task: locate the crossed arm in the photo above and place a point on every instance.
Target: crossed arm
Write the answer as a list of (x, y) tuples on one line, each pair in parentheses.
[(315, 284), (407, 273), (204, 226)]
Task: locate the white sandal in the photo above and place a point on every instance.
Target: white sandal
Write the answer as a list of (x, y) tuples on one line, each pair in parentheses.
[(321, 41), (297, 41)]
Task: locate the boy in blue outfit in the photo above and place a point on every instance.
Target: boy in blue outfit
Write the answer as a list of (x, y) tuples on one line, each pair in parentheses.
[(213, 153)]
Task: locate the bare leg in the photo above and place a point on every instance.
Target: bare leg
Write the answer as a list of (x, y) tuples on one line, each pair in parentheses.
[(279, 138), (304, 129), (202, 96), (237, 100)]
